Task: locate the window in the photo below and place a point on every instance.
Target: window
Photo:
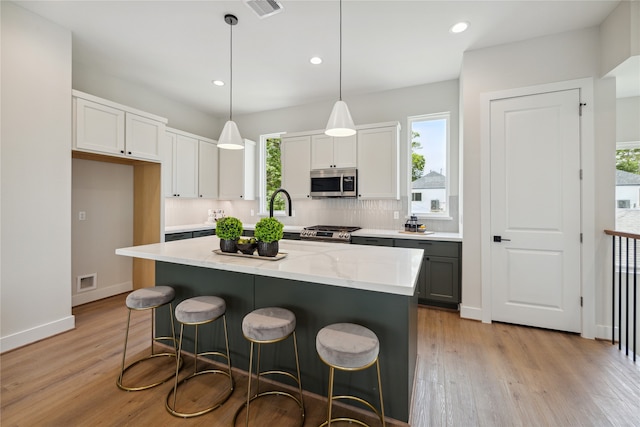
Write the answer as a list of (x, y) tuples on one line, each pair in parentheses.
[(270, 172), (628, 188), (429, 165)]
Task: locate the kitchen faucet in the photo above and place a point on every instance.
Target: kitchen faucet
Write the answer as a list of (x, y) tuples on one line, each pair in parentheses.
[(273, 196)]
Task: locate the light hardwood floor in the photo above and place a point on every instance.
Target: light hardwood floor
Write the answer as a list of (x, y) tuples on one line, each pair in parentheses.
[(468, 374)]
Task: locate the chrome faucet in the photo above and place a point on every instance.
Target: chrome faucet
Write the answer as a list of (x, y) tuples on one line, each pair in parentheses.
[(273, 197)]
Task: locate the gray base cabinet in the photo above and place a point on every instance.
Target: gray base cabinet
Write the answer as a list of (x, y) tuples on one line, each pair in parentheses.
[(439, 282)]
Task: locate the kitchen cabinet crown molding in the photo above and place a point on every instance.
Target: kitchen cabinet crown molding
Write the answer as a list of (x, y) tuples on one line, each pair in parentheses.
[(127, 109)]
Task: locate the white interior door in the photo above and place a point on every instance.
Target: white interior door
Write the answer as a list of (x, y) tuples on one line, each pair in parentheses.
[(535, 210)]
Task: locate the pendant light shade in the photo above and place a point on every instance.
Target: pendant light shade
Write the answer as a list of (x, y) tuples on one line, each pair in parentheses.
[(340, 122), (230, 138)]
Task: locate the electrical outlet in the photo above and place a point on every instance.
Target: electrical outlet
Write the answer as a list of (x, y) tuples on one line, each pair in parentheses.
[(396, 215), (293, 212), (252, 213), (82, 216)]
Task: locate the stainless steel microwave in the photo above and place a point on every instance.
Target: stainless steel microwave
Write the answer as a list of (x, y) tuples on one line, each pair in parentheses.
[(334, 182)]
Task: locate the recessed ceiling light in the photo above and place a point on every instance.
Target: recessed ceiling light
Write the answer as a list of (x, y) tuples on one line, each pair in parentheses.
[(217, 82), (316, 60), (459, 27)]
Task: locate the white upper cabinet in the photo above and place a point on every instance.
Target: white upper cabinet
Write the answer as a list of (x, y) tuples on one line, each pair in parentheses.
[(295, 155), (378, 163), (237, 172), (104, 127), (189, 165), (186, 166), (207, 170), (333, 152)]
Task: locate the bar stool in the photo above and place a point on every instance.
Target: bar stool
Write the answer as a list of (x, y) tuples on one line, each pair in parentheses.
[(349, 347), (266, 326), (195, 312), (149, 299)]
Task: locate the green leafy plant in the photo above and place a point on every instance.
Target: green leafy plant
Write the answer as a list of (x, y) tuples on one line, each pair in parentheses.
[(229, 228), (268, 230)]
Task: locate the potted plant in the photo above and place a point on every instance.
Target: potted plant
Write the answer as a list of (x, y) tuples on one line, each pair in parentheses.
[(267, 232), (228, 229)]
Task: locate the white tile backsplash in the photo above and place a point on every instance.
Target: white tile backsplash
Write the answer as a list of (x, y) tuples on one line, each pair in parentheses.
[(377, 214)]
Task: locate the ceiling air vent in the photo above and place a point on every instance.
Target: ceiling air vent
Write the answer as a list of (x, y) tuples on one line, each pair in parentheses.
[(264, 8)]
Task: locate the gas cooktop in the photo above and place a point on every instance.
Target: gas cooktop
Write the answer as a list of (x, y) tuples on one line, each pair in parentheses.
[(331, 233)]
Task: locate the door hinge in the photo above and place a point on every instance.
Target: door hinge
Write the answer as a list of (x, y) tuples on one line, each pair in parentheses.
[(582, 104), (581, 301), (580, 237), (580, 173)]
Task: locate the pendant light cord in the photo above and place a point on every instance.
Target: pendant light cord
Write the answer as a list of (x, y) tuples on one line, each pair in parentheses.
[(340, 76), (231, 73)]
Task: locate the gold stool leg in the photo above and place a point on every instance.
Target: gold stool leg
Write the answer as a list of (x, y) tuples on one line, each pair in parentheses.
[(249, 382), (331, 376), (124, 352), (119, 381), (295, 348), (380, 390)]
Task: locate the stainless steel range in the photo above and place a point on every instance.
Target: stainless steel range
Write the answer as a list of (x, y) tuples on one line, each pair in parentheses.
[(328, 233)]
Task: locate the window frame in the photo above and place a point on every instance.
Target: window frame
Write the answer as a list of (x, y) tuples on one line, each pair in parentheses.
[(443, 115), (263, 208)]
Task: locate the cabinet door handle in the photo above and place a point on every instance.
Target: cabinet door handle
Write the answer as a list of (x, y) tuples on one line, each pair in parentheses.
[(129, 152), (122, 151)]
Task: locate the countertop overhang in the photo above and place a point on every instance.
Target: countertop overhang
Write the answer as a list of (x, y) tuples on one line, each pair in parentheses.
[(371, 268)]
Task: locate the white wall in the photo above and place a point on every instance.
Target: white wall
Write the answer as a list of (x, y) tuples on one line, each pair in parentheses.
[(394, 105), (627, 119), (181, 116), (562, 57), (104, 191), (620, 36), (35, 178)]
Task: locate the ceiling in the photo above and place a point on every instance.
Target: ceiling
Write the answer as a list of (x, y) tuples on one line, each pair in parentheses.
[(178, 47)]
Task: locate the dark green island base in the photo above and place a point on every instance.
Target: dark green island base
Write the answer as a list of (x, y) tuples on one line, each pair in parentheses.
[(392, 317)]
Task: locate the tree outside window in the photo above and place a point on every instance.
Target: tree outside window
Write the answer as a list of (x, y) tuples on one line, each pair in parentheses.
[(273, 170)]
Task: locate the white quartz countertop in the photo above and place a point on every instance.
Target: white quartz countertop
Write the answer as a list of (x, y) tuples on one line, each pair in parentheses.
[(372, 268), (364, 232)]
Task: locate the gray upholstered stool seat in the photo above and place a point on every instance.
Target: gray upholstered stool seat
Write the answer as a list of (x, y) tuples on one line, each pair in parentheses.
[(146, 298), (349, 347), (198, 311), (149, 299), (266, 326)]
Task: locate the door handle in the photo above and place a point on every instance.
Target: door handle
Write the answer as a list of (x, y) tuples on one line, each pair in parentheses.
[(499, 239)]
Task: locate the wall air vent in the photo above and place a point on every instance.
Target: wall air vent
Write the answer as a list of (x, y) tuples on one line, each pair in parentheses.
[(264, 8)]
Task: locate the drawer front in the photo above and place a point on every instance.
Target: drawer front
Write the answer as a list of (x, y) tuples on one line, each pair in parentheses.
[(374, 241), (431, 247), (178, 236), (202, 233), (291, 235)]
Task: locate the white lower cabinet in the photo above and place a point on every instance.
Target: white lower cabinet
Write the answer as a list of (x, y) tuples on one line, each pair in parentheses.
[(237, 172), (105, 127), (295, 155), (378, 163), (189, 165)]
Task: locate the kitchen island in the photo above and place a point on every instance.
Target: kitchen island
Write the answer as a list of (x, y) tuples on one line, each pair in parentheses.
[(322, 283)]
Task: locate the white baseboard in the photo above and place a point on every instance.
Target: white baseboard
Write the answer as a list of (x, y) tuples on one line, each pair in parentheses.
[(603, 332), (473, 313), (100, 293), (38, 333)]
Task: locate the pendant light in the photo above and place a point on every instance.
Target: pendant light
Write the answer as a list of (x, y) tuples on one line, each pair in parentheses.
[(230, 138), (340, 122)]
